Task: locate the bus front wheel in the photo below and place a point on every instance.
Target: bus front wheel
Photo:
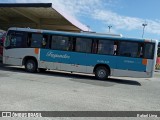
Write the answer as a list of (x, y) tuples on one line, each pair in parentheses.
[(31, 66), (101, 73)]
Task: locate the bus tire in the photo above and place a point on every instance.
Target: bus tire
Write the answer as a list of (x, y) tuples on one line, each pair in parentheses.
[(101, 73), (31, 66)]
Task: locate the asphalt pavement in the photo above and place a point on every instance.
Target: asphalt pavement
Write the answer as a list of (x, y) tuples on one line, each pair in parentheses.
[(60, 91)]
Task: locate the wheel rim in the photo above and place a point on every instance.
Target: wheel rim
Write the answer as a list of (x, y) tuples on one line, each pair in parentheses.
[(29, 66), (101, 73)]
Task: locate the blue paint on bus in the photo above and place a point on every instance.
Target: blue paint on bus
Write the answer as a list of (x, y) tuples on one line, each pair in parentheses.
[(85, 59)]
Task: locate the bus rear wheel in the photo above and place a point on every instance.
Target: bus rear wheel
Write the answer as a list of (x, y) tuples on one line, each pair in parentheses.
[(31, 66), (101, 73)]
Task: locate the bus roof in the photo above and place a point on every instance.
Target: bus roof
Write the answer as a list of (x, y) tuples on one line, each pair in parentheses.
[(83, 34)]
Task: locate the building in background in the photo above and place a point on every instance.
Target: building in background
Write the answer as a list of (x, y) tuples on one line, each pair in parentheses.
[(38, 16)]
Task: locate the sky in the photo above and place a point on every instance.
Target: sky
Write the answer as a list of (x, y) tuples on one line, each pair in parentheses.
[(125, 16)]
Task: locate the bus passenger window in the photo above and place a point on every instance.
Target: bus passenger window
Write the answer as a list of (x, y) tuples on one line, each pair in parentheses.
[(128, 49), (94, 46), (29, 40), (115, 49), (83, 45), (36, 40), (140, 50), (106, 47), (44, 41), (70, 45), (149, 51), (60, 43)]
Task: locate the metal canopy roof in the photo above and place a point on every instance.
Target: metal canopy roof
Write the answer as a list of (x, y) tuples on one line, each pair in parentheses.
[(38, 16)]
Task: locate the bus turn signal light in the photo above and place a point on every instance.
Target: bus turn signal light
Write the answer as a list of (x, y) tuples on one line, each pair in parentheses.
[(144, 61)]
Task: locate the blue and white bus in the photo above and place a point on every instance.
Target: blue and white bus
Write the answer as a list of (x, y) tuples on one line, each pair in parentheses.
[(92, 53)]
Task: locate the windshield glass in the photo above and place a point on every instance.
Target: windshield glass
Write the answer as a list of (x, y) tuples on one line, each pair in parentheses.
[(7, 42)]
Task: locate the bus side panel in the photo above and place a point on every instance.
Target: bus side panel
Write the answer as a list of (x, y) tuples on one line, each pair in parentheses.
[(150, 65), (127, 73), (15, 56), (74, 61), (125, 66), (62, 60), (133, 64), (133, 67), (82, 62), (46, 65)]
